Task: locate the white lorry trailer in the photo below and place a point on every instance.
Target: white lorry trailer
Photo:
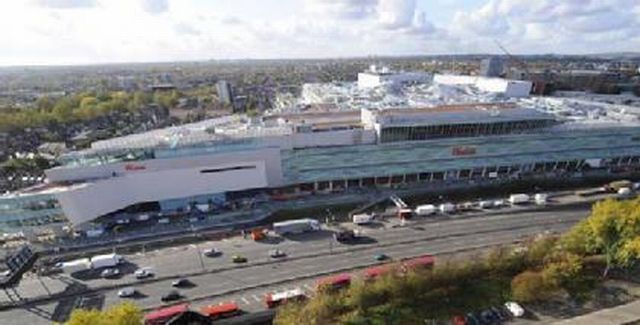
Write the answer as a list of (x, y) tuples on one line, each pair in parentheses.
[(518, 198), (447, 208), (541, 198), (75, 265), (296, 226), (362, 218), (106, 260), (426, 210)]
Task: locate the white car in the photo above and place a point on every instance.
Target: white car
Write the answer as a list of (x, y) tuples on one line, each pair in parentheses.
[(110, 273), (127, 292), (514, 308), (211, 252), (143, 273), (276, 253)]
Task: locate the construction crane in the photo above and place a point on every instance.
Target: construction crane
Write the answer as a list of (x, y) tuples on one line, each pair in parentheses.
[(539, 83), (514, 59)]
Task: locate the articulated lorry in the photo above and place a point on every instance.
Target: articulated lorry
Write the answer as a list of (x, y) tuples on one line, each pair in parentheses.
[(296, 226), (96, 262)]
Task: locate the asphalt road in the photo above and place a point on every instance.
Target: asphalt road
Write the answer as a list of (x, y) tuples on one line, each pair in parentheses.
[(188, 259), (308, 256)]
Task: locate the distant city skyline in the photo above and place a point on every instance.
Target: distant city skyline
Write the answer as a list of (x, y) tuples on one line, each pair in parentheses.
[(54, 32)]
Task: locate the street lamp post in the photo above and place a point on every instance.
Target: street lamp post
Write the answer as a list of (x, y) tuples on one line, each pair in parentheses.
[(195, 236)]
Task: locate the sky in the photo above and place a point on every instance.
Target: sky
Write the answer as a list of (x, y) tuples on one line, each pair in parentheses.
[(53, 32)]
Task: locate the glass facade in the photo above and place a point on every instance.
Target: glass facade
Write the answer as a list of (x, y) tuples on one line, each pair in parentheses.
[(28, 211), (426, 132), (323, 164)]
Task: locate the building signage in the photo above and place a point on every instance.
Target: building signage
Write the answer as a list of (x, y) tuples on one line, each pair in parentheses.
[(463, 151), (134, 167)]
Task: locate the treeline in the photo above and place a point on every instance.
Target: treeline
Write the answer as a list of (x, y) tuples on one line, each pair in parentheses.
[(568, 266), (81, 107)]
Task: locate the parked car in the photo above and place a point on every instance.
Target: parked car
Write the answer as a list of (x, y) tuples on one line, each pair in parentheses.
[(501, 313), (110, 273), (458, 320), (181, 282), (276, 253), (143, 273), (471, 319), (238, 259), (127, 292), (171, 296), (212, 252), (514, 308)]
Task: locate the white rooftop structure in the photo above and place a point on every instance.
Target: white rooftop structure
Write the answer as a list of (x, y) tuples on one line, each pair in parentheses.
[(376, 77)]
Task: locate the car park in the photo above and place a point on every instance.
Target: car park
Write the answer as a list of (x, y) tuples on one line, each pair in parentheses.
[(238, 259), (276, 253), (110, 273), (127, 292), (212, 252), (171, 296), (181, 282)]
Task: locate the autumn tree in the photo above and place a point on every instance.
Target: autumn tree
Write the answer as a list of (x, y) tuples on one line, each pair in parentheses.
[(529, 286), (611, 230), (125, 313)]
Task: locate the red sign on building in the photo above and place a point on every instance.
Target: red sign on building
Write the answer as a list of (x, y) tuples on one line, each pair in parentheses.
[(134, 167), (463, 151)]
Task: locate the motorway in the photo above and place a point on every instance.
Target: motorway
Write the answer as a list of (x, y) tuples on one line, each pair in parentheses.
[(309, 256)]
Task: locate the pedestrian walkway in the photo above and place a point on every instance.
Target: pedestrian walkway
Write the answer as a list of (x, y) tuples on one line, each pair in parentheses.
[(620, 315)]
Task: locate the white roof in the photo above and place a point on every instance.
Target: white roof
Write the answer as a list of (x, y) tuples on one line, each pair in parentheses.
[(297, 292), (293, 222)]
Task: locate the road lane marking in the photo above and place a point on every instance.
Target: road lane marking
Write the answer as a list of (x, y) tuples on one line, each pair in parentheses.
[(245, 300), (255, 298)]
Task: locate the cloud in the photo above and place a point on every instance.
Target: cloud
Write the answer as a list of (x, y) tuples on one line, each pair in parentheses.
[(563, 26), (396, 13), (65, 4), (183, 28), (232, 21), (341, 9), (152, 30), (155, 6)]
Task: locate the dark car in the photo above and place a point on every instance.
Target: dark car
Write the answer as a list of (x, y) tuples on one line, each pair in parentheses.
[(171, 296), (345, 236), (472, 319), (181, 282), (488, 317), (500, 313)]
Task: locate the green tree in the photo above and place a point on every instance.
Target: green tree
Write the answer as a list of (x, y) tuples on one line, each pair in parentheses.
[(45, 103), (88, 102)]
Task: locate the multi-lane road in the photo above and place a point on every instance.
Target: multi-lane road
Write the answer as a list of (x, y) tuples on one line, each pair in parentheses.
[(309, 256)]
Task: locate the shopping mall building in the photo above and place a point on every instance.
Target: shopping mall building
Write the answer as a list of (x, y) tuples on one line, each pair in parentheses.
[(415, 135)]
